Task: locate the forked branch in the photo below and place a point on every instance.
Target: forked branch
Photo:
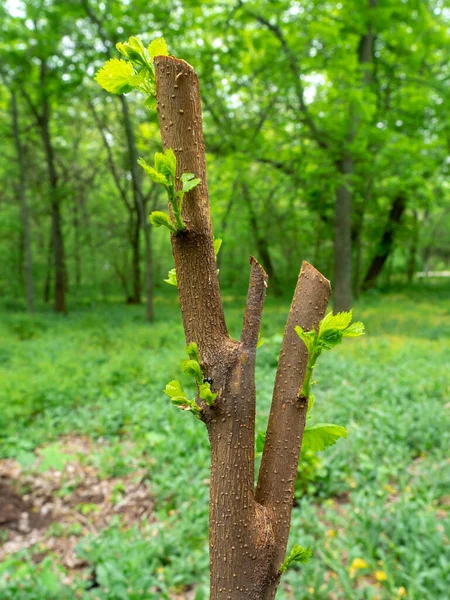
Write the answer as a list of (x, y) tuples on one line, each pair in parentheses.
[(275, 489), (255, 303)]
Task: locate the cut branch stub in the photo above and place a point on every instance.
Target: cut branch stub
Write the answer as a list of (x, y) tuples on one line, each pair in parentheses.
[(180, 116), (255, 303), (279, 464)]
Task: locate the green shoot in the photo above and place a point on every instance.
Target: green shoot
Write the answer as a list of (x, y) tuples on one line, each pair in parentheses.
[(178, 398), (135, 71), (164, 173), (298, 554), (332, 330), (192, 368)]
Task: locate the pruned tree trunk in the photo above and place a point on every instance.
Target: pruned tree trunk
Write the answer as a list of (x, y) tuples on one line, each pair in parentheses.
[(248, 531), (386, 243), (28, 261)]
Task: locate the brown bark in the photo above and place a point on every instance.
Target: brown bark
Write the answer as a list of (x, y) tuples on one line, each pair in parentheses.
[(288, 412), (386, 242), (247, 538), (28, 262)]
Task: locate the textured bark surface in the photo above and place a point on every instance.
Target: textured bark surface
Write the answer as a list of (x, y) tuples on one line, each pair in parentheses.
[(275, 489), (248, 535)]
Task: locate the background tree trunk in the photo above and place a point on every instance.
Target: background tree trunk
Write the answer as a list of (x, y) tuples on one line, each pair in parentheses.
[(386, 242), (342, 295), (412, 259), (28, 260)]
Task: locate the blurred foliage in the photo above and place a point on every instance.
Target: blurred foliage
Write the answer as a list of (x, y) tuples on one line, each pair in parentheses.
[(281, 84)]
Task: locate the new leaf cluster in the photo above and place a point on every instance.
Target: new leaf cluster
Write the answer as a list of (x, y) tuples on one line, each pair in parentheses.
[(137, 71), (191, 367)]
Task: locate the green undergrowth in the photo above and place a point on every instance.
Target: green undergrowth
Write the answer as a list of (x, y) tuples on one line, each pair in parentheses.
[(375, 500)]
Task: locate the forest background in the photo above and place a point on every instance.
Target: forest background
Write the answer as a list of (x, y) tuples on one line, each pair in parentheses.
[(327, 136)]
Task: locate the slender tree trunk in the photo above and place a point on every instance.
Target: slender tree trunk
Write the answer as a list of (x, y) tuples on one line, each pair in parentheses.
[(248, 533), (55, 201), (142, 219), (386, 243), (342, 296), (136, 263), (148, 267), (412, 260), (49, 269), (357, 240), (28, 262), (77, 244)]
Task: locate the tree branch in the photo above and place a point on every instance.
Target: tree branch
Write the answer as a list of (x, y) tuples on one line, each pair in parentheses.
[(255, 302), (179, 109), (275, 489), (303, 107), (112, 164)]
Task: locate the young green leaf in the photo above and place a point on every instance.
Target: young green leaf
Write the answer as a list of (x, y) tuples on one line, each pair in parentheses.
[(159, 218), (155, 175), (308, 337), (330, 338), (192, 351), (204, 391), (133, 50), (335, 327), (188, 182), (298, 554), (260, 341), (116, 76), (320, 436), (192, 368), (355, 329), (217, 246), (339, 321), (173, 389), (158, 47), (166, 164), (172, 278)]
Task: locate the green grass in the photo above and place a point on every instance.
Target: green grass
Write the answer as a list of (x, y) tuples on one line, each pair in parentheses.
[(379, 495)]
